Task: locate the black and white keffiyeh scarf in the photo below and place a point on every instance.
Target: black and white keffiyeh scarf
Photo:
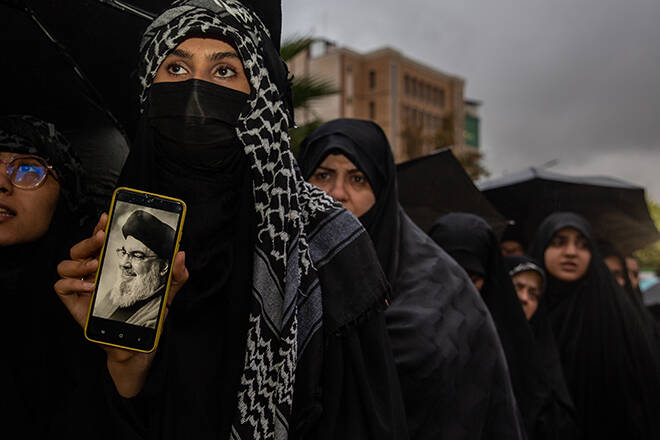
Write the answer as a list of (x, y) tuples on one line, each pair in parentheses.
[(298, 226)]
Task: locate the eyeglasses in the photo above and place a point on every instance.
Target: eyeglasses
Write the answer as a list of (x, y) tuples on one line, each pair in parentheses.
[(27, 172), (133, 256)]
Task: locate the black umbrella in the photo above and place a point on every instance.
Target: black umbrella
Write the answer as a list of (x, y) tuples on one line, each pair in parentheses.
[(73, 64), (83, 48), (616, 209), (437, 184)]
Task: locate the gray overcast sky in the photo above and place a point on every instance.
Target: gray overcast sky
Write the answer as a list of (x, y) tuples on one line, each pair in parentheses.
[(573, 80)]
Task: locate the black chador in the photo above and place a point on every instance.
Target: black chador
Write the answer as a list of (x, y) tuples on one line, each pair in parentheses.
[(450, 362), (608, 347), (531, 356)]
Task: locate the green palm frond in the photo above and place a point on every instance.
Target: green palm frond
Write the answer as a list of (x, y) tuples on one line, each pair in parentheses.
[(293, 45), (308, 88)]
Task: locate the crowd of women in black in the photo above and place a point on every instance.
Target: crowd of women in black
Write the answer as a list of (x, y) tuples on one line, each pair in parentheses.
[(305, 302)]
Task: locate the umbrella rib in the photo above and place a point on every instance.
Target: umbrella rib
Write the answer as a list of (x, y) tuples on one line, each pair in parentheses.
[(96, 98), (127, 7)]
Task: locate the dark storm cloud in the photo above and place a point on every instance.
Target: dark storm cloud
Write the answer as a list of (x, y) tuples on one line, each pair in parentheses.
[(574, 80)]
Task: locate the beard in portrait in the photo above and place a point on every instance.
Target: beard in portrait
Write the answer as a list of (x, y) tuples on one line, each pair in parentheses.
[(141, 276)]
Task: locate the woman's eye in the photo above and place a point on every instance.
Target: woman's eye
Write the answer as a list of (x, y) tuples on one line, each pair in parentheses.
[(177, 69), (322, 176), (557, 241), (359, 179), (225, 72)]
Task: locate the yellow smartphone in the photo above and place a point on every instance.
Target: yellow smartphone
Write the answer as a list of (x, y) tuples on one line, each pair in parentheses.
[(135, 270)]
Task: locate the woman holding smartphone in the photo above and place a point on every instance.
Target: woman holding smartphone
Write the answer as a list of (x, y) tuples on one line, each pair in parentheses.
[(279, 330)]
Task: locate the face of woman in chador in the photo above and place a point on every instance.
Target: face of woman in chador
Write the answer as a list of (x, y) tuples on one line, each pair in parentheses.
[(206, 59), (529, 286), (342, 180), (568, 255), (615, 266), (26, 210)]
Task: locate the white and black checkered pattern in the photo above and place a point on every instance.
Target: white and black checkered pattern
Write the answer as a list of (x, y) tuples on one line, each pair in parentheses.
[(286, 297)]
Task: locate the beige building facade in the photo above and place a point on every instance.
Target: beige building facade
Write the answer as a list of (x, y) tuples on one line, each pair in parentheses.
[(394, 91)]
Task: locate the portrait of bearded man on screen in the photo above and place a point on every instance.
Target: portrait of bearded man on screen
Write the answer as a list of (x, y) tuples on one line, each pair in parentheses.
[(143, 266)]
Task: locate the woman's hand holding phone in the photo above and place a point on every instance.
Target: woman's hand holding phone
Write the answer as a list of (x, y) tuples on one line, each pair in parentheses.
[(128, 368)]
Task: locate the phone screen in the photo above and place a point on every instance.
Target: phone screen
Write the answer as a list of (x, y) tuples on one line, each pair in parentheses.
[(135, 269)]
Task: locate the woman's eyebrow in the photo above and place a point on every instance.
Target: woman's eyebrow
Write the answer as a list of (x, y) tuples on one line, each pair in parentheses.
[(217, 56), (182, 53)]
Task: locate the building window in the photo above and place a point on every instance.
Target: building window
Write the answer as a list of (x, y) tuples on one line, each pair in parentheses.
[(406, 84), (372, 79), (372, 110), (413, 87), (441, 98)]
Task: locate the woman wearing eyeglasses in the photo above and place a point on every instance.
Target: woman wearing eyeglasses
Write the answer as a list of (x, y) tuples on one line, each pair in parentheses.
[(41, 203)]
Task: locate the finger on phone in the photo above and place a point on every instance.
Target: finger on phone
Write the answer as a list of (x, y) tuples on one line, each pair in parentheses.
[(78, 305), (89, 247), (70, 286), (77, 269), (179, 275), (100, 226)]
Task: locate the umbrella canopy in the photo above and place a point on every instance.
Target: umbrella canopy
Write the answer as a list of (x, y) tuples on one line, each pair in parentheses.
[(437, 184), (616, 209), (85, 51), (75, 66)]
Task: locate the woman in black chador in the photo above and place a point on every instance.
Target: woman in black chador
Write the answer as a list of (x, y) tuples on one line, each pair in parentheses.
[(279, 330), (41, 203), (449, 359), (608, 350), (532, 359)]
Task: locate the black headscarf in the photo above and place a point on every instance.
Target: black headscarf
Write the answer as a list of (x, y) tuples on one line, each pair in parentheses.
[(49, 359), (362, 143), (472, 242), (607, 249), (516, 264), (513, 232), (449, 359), (24, 134), (608, 350)]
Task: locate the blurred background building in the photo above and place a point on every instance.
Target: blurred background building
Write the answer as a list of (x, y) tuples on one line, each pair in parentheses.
[(419, 107)]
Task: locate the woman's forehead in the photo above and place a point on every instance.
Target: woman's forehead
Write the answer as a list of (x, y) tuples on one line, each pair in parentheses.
[(4, 154), (338, 160), (206, 46), (569, 231)]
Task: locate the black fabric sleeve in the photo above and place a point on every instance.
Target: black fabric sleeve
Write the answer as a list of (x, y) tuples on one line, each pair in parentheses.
[(360, 392), (361, 396)]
